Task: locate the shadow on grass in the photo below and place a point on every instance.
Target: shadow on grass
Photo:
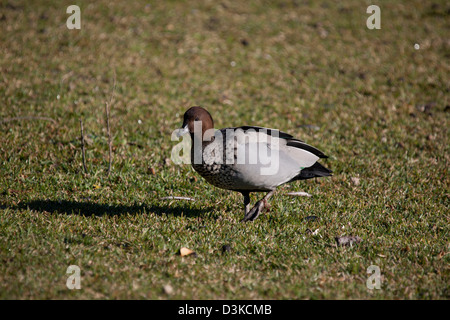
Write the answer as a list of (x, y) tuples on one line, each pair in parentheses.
[(96, 209)]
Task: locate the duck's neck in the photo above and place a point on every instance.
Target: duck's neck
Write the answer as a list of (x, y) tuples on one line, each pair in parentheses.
[(199, 143), (204, 139)]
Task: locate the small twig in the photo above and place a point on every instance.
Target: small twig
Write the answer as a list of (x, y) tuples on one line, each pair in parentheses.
[(109, 137), (82, 147), (113, 88), (177, 198), (107, 106), (4, 120)]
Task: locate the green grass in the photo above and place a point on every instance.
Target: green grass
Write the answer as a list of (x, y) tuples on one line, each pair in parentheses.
[(312, 69)]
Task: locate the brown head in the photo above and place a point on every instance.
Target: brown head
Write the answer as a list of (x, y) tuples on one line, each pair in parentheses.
[(193, 115)]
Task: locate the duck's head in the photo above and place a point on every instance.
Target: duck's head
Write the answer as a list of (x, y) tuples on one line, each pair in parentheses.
[(194, 117)]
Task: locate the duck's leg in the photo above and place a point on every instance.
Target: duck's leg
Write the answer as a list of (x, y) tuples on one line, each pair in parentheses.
[(257, 209), (246, 201)]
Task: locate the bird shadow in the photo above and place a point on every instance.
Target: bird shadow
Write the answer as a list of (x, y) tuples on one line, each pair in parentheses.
[(68, 207)]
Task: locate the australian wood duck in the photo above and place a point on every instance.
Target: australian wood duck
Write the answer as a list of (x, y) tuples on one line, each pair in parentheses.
[(248, 159)]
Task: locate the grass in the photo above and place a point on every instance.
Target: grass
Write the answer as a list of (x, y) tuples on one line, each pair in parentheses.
[(378, 107)]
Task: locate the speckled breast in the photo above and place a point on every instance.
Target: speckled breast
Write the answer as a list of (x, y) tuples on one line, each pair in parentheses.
[(214, 167), (219, 175)]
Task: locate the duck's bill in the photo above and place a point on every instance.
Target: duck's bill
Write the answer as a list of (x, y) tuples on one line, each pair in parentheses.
[(181, 132)]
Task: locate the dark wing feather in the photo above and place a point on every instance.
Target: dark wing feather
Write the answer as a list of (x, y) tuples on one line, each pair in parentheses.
[(316, 170), (302, 145)]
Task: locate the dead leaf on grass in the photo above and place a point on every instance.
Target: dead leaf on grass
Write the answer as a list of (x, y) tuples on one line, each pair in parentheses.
[(356, 181), (168, 289), (347, 240), (186, 252)]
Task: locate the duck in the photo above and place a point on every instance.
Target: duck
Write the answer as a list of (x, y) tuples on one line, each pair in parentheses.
[(248, 159)]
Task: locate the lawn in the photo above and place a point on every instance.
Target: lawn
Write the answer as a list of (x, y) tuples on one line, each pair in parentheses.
[(375, 101)]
